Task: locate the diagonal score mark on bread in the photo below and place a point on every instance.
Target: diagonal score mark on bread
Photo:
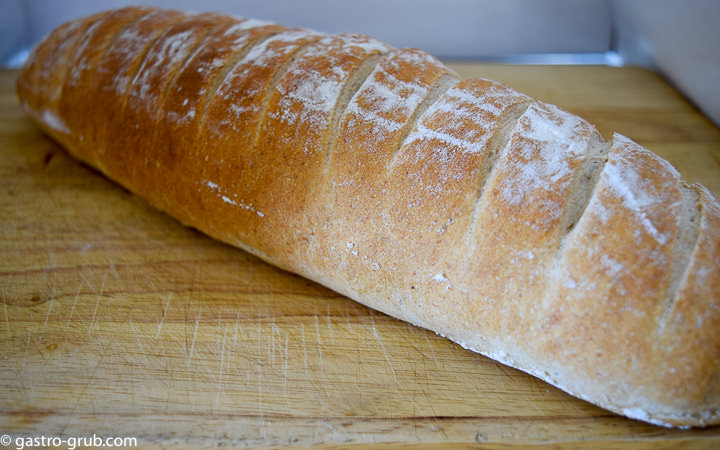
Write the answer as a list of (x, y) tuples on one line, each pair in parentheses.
[(260, 36), (686, 243)]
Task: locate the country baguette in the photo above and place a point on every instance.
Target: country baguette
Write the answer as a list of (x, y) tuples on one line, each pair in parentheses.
[(463, 206)]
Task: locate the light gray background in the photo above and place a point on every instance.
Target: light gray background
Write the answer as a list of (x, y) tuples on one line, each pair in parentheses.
[(679, 38)]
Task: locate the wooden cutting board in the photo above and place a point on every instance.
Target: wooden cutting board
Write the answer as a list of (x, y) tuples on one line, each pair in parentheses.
[(118, 321)]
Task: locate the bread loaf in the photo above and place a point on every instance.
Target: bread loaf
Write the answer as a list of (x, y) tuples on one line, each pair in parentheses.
[(503, 223)]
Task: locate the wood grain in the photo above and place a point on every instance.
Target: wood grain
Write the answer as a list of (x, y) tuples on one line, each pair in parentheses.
[(117, 320)]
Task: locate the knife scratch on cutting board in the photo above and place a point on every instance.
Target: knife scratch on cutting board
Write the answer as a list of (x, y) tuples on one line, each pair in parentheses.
[(279, 333), (93, 321), (271, 345), (305, 355), (382, 345), (235, 333), (222, 365), (136, 332), (192, 344), (8, 284), (327, 318), (51, 263), (72, 309), (26, 349), (217, 329), (49, 308), (7, 319), (258, 333), (166, 306), (112, 269), (87, 383), (285, 369), (504, 371), (260, 390), (318, 346), (431, 347)]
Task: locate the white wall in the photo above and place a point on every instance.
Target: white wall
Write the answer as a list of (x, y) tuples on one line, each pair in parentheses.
[(681, 38), (14, 29)]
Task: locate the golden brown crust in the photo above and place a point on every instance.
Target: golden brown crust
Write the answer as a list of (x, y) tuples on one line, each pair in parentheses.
[(84, 72), (354, 181), (124, 59), (619, 260), (518, 224), (691, 328), (147, 94), (41, 81), (466, 207), (112, 73), (295, 142), (229, 132)]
